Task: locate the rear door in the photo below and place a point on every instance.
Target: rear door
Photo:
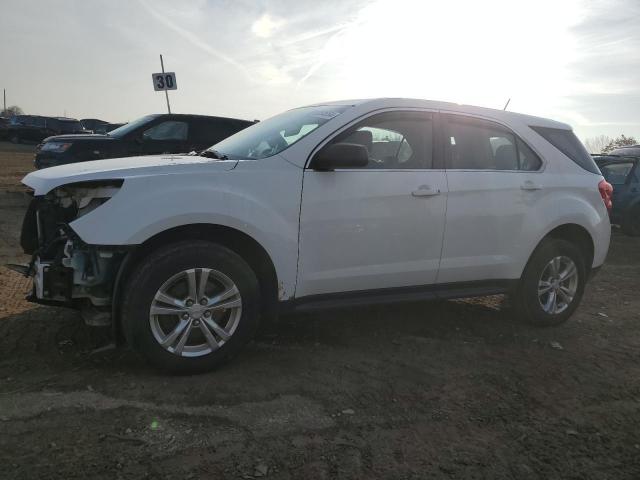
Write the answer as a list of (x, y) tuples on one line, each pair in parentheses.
[(493, 179), (166, 136), (378, 226)]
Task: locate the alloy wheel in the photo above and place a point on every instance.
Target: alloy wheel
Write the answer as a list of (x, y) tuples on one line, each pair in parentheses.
[(558, 285), (195, 312)]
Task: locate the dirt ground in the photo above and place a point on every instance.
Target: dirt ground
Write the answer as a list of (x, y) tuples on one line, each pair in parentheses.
[(456, 389)]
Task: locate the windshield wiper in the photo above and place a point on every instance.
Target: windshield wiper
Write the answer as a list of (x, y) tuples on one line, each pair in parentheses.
[(213, 154)]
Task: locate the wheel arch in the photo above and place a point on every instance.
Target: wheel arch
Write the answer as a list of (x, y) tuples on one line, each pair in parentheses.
[(576, 234), (241, 243)]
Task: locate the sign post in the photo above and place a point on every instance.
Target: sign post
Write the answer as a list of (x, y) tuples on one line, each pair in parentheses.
[(164, 81)]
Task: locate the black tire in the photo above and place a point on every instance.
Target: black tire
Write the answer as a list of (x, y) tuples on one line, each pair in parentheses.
[(161, 265), (631, 223), (526, 301), (15, 138)]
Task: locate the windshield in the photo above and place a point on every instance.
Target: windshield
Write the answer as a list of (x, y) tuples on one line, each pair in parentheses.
[(276, 134), (130, 127)]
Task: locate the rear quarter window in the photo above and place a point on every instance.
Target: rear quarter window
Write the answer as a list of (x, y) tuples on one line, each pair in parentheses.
[(567, 142)]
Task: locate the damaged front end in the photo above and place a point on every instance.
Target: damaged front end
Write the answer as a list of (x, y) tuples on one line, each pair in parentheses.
[(66, 271)]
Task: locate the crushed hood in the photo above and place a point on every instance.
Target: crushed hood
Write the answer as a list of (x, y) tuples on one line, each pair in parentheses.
[(43, 181)]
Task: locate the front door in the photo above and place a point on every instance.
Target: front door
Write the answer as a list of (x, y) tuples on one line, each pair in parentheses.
[(380, 226)]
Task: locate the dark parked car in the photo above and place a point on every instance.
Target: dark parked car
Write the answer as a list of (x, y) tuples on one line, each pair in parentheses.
[(35, 128), (4, 127), (624, 174), (153, 134), (99, 126)]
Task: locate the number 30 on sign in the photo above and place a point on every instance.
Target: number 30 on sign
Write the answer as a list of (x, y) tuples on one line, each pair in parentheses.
[(164, 81)]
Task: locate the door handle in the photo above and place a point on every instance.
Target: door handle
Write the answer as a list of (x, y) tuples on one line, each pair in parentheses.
[(529, 185), (425, 191)]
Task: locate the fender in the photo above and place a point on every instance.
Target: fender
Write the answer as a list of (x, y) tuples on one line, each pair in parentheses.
[(240, 199), (561, 208)]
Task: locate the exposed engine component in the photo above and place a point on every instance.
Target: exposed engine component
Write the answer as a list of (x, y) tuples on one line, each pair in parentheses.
[(66, 270)]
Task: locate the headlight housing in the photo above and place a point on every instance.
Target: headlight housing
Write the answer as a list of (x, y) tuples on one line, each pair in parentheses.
[(86, 196), (56, 147)]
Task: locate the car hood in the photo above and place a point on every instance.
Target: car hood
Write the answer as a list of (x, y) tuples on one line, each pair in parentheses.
[(45, 180), (78, 137)]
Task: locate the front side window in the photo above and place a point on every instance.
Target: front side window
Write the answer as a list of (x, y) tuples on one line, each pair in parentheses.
[(127, 128), (475, 144), (616, 173), (394, 140), (276, 134), (169, 130)]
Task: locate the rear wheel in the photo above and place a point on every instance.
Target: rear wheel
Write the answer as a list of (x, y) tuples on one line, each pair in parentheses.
[(190, 306), (552, 284)]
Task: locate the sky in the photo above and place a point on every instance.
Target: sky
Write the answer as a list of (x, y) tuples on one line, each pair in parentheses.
[(576, 61)]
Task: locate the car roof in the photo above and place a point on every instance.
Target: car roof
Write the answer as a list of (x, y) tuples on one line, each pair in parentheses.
[(47, 116), (189, 115), (375, 103), (627, 146), (605, 158)]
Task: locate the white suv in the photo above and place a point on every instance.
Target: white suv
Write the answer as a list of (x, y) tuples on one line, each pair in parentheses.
[(343, 203)]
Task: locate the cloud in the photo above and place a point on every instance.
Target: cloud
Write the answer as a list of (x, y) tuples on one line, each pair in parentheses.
[(192, 38), (580, 64), (266, 26)]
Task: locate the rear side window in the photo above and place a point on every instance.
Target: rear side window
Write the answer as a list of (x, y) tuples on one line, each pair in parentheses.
[(475, 144), (616, 173), (211, 131), (567, 142)]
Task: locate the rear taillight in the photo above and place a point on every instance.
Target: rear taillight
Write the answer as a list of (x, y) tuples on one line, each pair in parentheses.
[(606, 192)]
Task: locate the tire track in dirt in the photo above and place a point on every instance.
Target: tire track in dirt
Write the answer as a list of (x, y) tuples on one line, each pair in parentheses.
[(288, 413)]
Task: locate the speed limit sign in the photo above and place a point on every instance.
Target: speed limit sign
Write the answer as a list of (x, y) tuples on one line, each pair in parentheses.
[(164, 81)]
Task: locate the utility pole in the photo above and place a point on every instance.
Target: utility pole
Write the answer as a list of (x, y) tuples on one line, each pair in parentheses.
[(165, 92)]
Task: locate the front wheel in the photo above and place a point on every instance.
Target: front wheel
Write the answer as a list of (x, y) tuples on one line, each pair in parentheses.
[(552, 284), (190, 306)]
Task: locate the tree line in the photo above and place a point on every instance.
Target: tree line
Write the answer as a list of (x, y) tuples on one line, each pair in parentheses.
[(605, 144), (11, 111)]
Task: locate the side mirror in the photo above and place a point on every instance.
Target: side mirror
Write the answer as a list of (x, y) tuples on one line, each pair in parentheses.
[(341, 155)]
